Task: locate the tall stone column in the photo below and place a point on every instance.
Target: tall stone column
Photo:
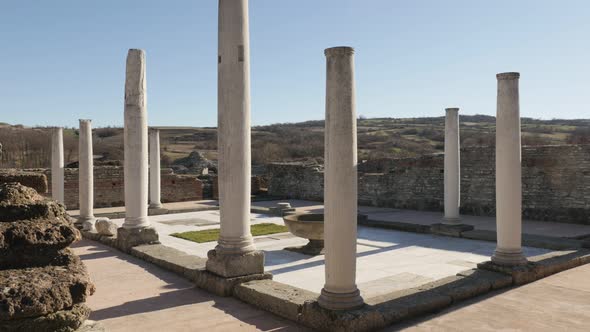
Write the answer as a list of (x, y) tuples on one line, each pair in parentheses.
[(340, 183), (136, 228), (86, 176), (452, 167), (508, 173), (155, 183), (235, 254), (57, 165)]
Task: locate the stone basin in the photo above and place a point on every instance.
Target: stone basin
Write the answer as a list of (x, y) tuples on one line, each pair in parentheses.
[(306, 225)]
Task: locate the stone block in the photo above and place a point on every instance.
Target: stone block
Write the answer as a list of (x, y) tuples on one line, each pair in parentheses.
[(281, 299), (224, 286), (521, 274), (235, 265), (450, 230), (496, 280), (169, 258), (131, 237), (106, 227)]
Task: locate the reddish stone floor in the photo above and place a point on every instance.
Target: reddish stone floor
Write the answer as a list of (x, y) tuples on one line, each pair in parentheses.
[(133, 295)]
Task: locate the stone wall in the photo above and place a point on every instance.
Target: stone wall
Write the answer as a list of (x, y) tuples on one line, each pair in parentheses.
[(258, 185), (556, 182), (109, 186)]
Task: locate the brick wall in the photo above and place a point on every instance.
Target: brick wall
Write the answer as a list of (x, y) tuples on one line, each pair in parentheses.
[(109, 186), (556, 182)]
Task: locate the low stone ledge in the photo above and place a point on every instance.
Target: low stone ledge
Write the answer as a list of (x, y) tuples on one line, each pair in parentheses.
[(540, 266), (281, 299), (478, 234), (395, 225), (170, 259), (528, 240), (224, 286), (450, 230)]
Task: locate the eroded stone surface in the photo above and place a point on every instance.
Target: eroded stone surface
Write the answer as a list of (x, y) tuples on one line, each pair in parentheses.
[(27, 243), (38, 291), (18, 202), (67, 320)]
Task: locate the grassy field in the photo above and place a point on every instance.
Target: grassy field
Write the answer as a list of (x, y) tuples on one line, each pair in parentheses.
[(210, 235)]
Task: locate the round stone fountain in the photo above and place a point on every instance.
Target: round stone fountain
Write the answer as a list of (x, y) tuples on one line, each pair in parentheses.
[(308, 226)]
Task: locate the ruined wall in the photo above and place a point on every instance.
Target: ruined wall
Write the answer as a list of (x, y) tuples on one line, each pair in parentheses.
[(556, 182), (258, 185), (109, 186)]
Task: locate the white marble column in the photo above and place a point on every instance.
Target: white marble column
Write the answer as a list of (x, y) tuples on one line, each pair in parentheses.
[(154, 137), (508, 173), (86, 176), (235, 253), (57, 165), (340, 183), (452, 171), (136, 142)]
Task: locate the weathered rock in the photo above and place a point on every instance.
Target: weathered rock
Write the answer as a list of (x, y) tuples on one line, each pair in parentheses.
[(67, 320), (18, 202), (39, 291), (29, 243), (106, 227)]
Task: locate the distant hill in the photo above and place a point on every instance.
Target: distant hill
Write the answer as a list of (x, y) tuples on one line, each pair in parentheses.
[(377, 138)]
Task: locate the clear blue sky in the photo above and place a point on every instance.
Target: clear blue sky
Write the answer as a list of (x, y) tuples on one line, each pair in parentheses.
[(64, 60)]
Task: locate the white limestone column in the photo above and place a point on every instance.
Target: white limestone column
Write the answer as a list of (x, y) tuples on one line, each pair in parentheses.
[(508, 173), (86, 176), (154, 137), (136, 142), (57, 165), (452, 171), (235, 253), (233, 100), (340, 183)]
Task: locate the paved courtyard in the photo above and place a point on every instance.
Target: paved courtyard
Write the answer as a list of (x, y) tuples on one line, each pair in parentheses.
[(387, 261), (132, 295)]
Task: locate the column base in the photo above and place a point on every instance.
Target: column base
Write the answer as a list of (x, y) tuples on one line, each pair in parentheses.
[(506, 257), (341, 301), (451, 220), (230, 265), (156, 206), (86, 223), (136, 222), (132, 237)]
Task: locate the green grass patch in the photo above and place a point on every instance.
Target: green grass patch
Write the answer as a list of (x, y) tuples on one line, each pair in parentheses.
[(210, 235)]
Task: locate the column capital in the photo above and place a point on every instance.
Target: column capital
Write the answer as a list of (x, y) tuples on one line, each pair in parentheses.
[(452, 109), (339, 51), (508, 76), (85, 121)]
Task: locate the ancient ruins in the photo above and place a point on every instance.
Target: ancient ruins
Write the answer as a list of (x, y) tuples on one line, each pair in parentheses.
[(45, 285)]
